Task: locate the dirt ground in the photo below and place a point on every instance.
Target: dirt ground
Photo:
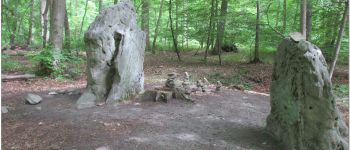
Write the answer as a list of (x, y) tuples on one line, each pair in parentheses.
[(230, 119)]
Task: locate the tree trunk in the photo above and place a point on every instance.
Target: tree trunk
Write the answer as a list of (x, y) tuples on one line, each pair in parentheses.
[(214, 32), (278, 14), (45, 6), (257, 33), (82, 22), (13, 12), (67, 31), (303, 9), (209, 32), (57, 15), (309, 20), (172, 32), (339, 40), (30, 32), (284, 15), (145, 21), (221, 29), (157, 27), (100, 2)]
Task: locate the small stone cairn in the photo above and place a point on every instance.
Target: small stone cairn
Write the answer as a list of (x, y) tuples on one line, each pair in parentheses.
[(183, 91)]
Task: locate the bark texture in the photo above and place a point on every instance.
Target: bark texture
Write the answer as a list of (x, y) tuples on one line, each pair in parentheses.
[(304, 114), (57, 15), (115, 48)]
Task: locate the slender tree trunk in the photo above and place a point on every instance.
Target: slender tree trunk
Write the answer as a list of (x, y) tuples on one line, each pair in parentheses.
[(221, 28), (278, 14), (303, 9), (209, 32), (339, 40), (57, 15), (145, 21), (157, 27), (176, 20), (30, 32), (284, 15), (257, 33), (82, 22), (100, 2), (67, 31), (309, 20), (186, 22), (14, 15), (214, 32), (172, 33), (45, 6)]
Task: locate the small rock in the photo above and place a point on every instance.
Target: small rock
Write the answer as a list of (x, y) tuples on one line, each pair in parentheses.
[(38, 108), (107, 124), (218, 86), (104, 148), (33, 99), (4, 109), (205, 80), (53, 93), (40, 123)]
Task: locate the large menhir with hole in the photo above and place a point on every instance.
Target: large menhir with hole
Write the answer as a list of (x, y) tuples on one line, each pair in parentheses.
[(115, 48)]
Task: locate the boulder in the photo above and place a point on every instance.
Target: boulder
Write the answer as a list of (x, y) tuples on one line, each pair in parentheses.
[(115, 48), (304, 114), (33, 99)]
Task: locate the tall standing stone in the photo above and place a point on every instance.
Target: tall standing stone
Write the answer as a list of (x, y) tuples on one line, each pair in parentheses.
[(304, 114), (115, 48)]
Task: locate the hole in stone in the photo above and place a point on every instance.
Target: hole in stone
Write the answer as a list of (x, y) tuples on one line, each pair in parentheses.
[(332, 102), (310, 107), (285, 107), (336, 118), (113, 75)]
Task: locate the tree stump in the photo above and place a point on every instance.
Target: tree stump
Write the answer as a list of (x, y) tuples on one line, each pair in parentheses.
[(304, 114), (115, 48)]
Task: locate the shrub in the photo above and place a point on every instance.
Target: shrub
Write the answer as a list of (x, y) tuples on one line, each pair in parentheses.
[(68, 64)]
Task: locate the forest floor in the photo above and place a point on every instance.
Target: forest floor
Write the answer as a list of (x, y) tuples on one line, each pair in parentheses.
[(231, 119)]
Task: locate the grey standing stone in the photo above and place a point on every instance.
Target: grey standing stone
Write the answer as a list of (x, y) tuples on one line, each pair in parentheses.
[(115, 48), (33, 99), (304, 114)]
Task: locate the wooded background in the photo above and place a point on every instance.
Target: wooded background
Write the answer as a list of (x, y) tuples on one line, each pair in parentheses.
[(255, 27)]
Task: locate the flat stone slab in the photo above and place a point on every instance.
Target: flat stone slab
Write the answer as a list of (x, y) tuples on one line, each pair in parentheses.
[(33, 99)]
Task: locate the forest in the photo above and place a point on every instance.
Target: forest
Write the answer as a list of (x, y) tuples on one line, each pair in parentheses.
[(234, 44)]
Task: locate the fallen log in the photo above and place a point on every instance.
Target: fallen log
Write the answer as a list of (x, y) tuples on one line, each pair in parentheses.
[(17, 77)]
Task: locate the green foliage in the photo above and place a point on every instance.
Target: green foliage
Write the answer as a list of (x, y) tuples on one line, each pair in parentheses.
[(231, 80), (9, 65), (341, 90), (68, 66)]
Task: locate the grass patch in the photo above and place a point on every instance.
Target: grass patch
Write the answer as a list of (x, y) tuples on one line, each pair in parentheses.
[(11, 65), (231, 80), (341, 90)]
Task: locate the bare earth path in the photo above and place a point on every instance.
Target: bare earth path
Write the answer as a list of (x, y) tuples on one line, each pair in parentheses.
[(229, 120)]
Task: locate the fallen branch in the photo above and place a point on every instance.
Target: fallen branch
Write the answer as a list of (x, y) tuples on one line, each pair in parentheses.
[(17, 77)]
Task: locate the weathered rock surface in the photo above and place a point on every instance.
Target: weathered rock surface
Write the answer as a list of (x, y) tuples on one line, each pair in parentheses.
[(4, 109), (304, 114), (115, 48), (33, 99)]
